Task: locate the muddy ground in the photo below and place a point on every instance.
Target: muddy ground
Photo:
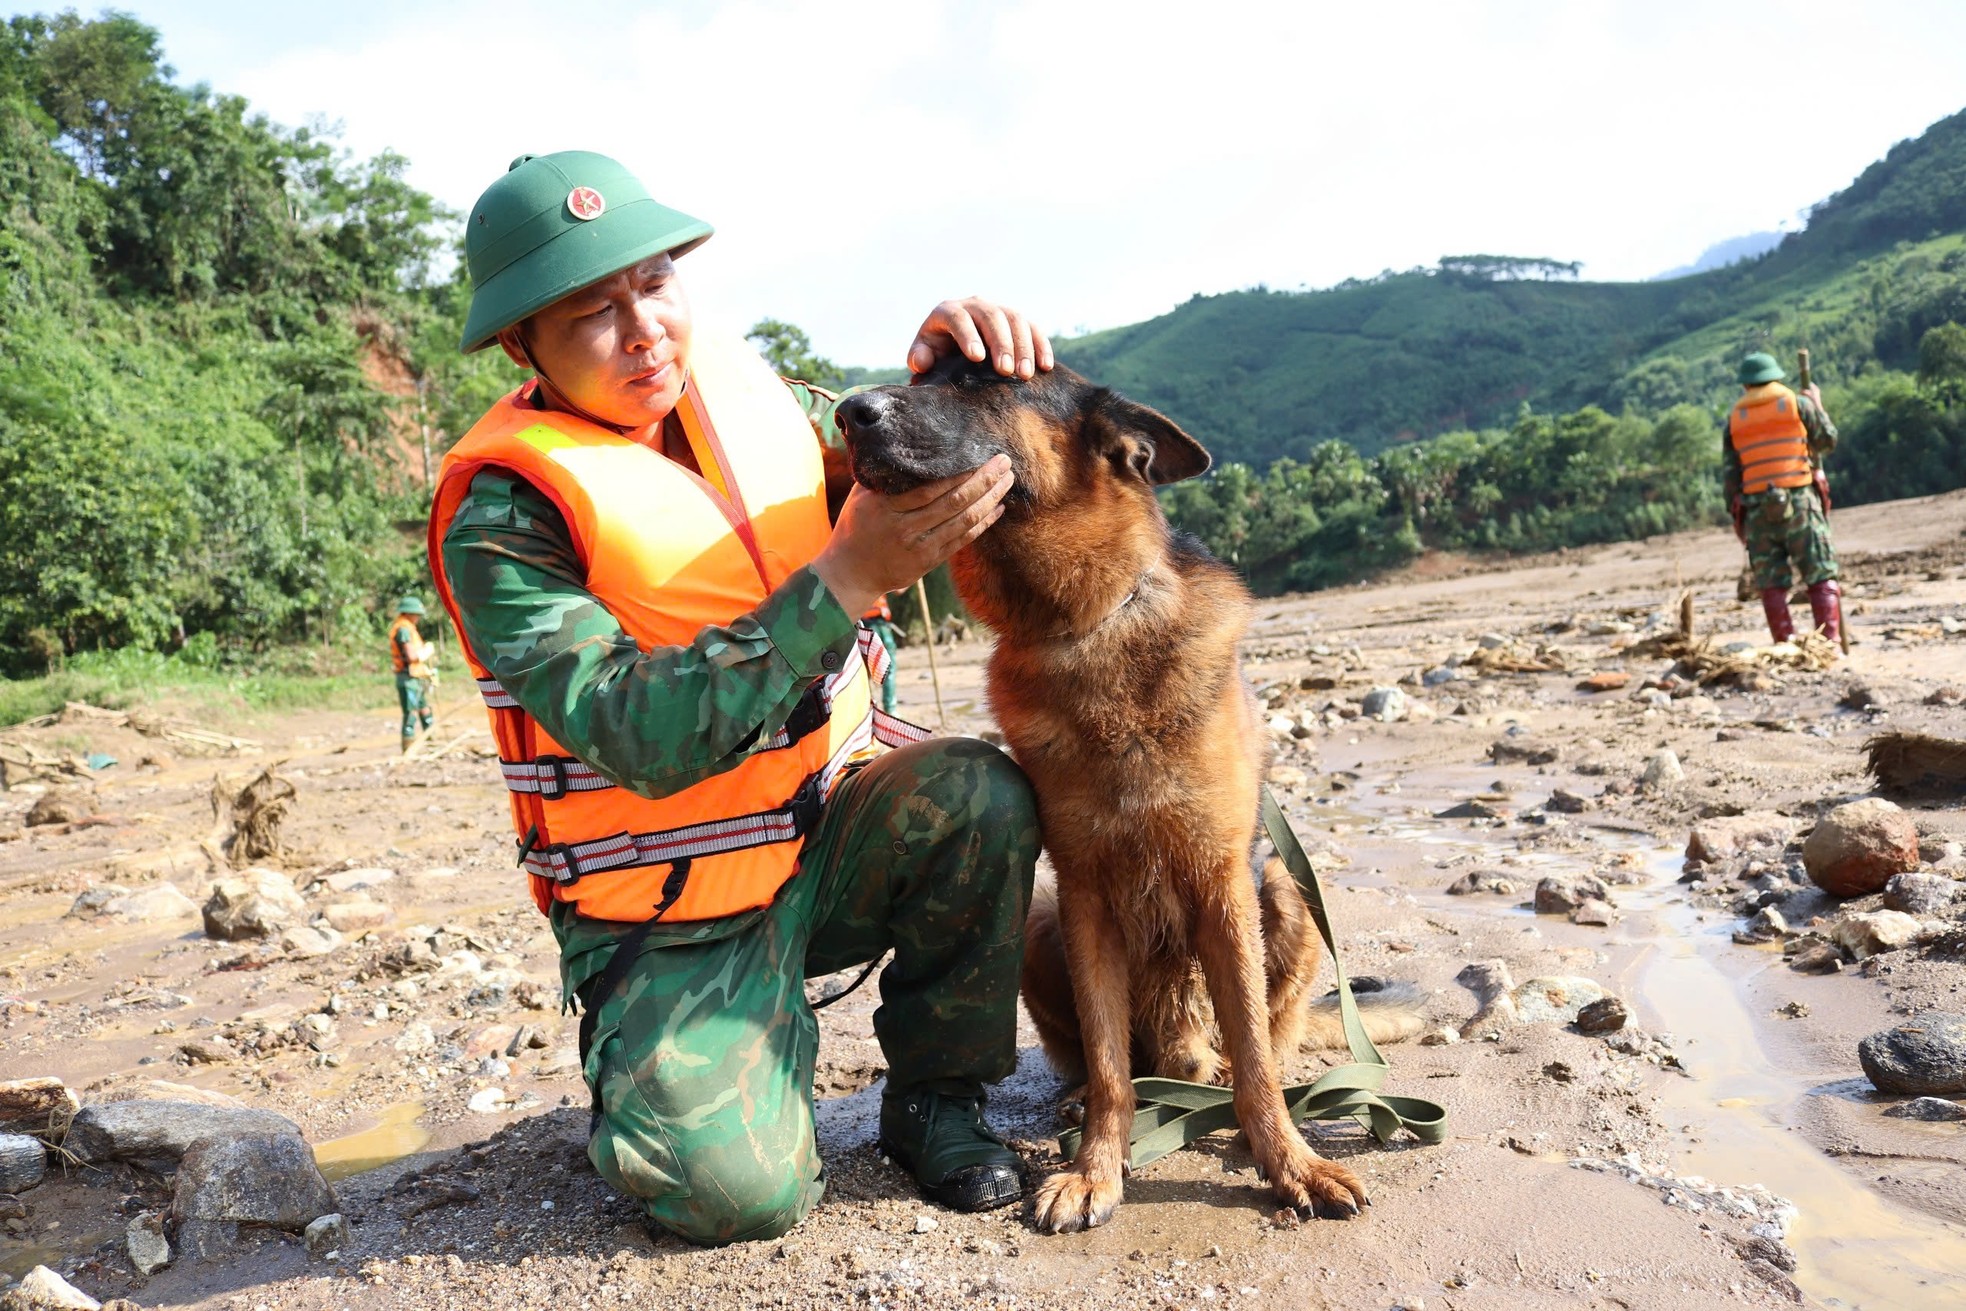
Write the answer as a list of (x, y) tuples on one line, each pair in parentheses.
[(1744, 1072)]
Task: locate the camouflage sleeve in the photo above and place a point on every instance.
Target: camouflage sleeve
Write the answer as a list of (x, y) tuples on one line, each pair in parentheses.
[(654, 722), (1822, 433)]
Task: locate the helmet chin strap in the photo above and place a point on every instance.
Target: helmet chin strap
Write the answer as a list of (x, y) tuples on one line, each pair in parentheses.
[(556, 393)]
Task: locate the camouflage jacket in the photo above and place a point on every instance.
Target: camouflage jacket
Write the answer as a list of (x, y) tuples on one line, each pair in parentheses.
[(1822, 440), (658, 722)]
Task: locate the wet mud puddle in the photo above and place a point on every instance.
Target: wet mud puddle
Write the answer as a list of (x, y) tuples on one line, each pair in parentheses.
[(397, 1133), (1855, 1249)]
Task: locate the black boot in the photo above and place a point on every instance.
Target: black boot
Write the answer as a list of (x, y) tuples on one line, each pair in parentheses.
[(956, 1159)]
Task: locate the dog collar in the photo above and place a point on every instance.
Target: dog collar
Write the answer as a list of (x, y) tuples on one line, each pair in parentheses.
[(1108, 617)]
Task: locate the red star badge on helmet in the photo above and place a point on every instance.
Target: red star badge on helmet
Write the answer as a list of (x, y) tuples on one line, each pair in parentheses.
[(585, 203)]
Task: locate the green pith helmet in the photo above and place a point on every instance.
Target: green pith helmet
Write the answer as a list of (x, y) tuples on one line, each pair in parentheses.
[(410, 605), (1760, 367), (553, 224)]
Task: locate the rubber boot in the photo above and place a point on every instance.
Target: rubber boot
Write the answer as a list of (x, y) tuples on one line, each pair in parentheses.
[(1823, 604), (956, 1158), (1775, 605)]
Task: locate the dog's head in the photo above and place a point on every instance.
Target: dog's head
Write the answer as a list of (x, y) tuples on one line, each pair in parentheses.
[(1067, 440)]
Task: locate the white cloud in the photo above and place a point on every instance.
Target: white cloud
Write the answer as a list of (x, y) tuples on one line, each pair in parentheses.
[(1097, 163)]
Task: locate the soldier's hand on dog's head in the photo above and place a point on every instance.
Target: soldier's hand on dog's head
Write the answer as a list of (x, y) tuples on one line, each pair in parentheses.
[(884, 543), (981, 330)]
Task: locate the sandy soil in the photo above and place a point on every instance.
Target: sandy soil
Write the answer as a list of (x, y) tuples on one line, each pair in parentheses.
[(1752, 1078)]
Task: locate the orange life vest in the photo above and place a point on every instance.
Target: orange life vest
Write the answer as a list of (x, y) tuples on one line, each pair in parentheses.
[(1766, 429), (878, 610), (671, 552), (404, 641)]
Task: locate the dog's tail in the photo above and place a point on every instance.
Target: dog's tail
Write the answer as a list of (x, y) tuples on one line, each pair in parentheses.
[(1391, 1010)]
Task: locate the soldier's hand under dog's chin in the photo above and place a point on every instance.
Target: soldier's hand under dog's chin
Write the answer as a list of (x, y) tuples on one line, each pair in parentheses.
[(981, 329), (883, 543)]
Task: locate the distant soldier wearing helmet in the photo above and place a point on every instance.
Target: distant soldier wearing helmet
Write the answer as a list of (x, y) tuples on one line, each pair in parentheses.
[(1774, 447), (636, 547), (410, 656)]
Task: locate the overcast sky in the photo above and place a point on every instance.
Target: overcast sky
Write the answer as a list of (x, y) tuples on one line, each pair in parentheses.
[(1095, 164)]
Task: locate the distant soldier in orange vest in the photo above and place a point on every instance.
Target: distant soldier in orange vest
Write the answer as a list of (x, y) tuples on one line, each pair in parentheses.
[(661, 619), (879, 620), (410, 656), (1774, 447)]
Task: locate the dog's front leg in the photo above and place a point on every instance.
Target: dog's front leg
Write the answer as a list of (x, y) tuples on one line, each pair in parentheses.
[(1085, 1192), (1228, 941)]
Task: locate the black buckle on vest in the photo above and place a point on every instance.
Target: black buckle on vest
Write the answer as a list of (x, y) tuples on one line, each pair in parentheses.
[(808, 716), (555, 769), (806, 805), (560, 857)]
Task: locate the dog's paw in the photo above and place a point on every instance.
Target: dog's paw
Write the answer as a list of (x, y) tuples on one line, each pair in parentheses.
[(1069, 1201), (1315, 1186)]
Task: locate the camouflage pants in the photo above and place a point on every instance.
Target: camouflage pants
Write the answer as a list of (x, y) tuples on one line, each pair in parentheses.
[(1788, 527), (702, 1061), (413, 694)]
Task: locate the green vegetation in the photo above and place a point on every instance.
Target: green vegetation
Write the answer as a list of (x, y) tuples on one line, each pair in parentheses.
[(194, 681), (226, 362)]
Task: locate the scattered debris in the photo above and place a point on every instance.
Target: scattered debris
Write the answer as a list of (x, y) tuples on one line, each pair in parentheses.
[(256, 811), (1917, 764)]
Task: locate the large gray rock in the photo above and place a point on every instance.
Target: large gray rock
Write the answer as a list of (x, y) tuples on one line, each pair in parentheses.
[(263, 1179), (112, 1131), (23, 1162), (256, 904), (1733, 835), (1924, 1056), (1920, 894), (44, 1290), (1857, 847)]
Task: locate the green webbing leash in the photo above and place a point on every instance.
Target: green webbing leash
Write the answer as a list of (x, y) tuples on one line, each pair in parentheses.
[(1172, 1113)]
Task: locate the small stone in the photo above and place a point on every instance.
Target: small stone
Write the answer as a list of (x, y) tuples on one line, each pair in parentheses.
[(1931, 1109), (208, 1051), (1605, 1015), (1288, 776), (1555, 1000), (1593, 911), (1441, 1037), (153, 905), (1817, 958), (1480, 881), (415, 1039), (326, 1235), (92, 902), (357, 916), (41, 1289), (491, 1040), (1920, 894), (1862, 696), (1521, 750), (347, 880), (1472, 810), (1875, 932), (1856, 848), (1662, 770), (1567, 803), (1733, 835), (1605, 680), (1559, 895), (1282, 726), (488, 1101), (257, 904), (61, 806), (144, 1240), (306, 942), (1925, 1055), (1766, 925), (254, 1179), (925, 1224), (1385, 704), (23, 1162)]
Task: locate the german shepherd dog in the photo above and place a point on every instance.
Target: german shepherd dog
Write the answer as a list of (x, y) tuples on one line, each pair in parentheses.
[(1115, 680)]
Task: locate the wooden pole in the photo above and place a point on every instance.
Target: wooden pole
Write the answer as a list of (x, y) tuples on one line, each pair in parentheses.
[(928, 630), (1842, 625)]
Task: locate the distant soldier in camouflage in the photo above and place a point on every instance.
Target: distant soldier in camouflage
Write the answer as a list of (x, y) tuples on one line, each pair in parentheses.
[(671, 706), (1774, 447), (411, 657)]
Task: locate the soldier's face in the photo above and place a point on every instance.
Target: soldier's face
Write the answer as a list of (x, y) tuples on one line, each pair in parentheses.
[(617, 349)]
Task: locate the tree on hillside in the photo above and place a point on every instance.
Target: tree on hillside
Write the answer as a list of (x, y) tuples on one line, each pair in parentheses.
[(789, 352)]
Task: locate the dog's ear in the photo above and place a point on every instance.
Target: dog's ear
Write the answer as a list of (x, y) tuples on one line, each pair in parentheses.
[(1146, 443)]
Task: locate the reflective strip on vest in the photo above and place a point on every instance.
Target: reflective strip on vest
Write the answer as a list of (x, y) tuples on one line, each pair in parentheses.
[(495, 696)]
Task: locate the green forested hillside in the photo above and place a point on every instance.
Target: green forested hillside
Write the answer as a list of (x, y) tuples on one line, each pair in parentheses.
[(1263, 374)]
